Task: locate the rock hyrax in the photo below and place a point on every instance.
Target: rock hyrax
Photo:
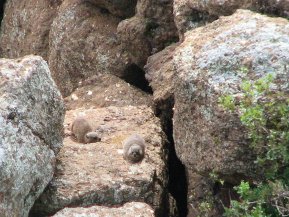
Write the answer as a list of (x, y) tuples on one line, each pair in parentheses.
[(83, 131), (134, 148)]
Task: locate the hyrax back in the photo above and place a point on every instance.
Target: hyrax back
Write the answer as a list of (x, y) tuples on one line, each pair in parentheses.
[(134, 148), (82, 129)]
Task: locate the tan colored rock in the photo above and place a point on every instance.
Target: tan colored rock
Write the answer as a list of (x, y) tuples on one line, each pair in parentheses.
[(31, 120), (106, 90), (96, 173), (83, 43), (131, 209), (25, 27)]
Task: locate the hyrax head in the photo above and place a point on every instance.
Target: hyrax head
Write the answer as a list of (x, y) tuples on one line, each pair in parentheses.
[(91, 137), (135, 153)]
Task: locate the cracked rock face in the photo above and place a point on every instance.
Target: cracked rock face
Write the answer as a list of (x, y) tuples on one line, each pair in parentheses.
[(131, 209), (96, 173), (31, 118)]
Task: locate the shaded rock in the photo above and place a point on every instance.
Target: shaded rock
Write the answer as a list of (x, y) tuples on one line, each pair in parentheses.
[(25, 27), (131, 209), (31, 118), (106, 90), (190, 14), (149, 31), (83, 43), (119, 8), (208, 65), (97, 174)]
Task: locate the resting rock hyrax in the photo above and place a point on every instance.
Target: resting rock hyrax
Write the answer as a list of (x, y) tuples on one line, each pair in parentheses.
[(134, 148), (82, 130)]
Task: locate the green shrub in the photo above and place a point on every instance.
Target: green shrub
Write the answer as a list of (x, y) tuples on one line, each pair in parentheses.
[(263, 108)]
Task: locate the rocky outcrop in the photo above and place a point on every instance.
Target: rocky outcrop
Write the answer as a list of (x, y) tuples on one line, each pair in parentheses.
[(97, 174), (31, 118), (106, 90), (190, 14), (25, 27), (129, 210)]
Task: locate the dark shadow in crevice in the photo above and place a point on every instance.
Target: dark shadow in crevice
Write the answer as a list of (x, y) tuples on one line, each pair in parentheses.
[(224, 193), (135, 76), (177, 184), (2, 5)]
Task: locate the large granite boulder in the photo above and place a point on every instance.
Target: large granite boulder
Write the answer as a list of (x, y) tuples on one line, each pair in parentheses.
[(97, 174), (209, 65), (131, 209), (31, 120), (189, 14), (204, 67), (25, 27)]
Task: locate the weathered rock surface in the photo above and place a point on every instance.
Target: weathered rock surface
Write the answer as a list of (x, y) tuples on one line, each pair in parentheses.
[(189, 14), (149, 31), (106, 90), (25, 27), (204, 67), (31, 120), (131, 209), (97, 174), (208, 65), (86, 37)]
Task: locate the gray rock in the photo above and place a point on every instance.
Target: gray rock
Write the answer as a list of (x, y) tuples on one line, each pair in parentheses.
[(208, 65), (131, 209), (31, 118)]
